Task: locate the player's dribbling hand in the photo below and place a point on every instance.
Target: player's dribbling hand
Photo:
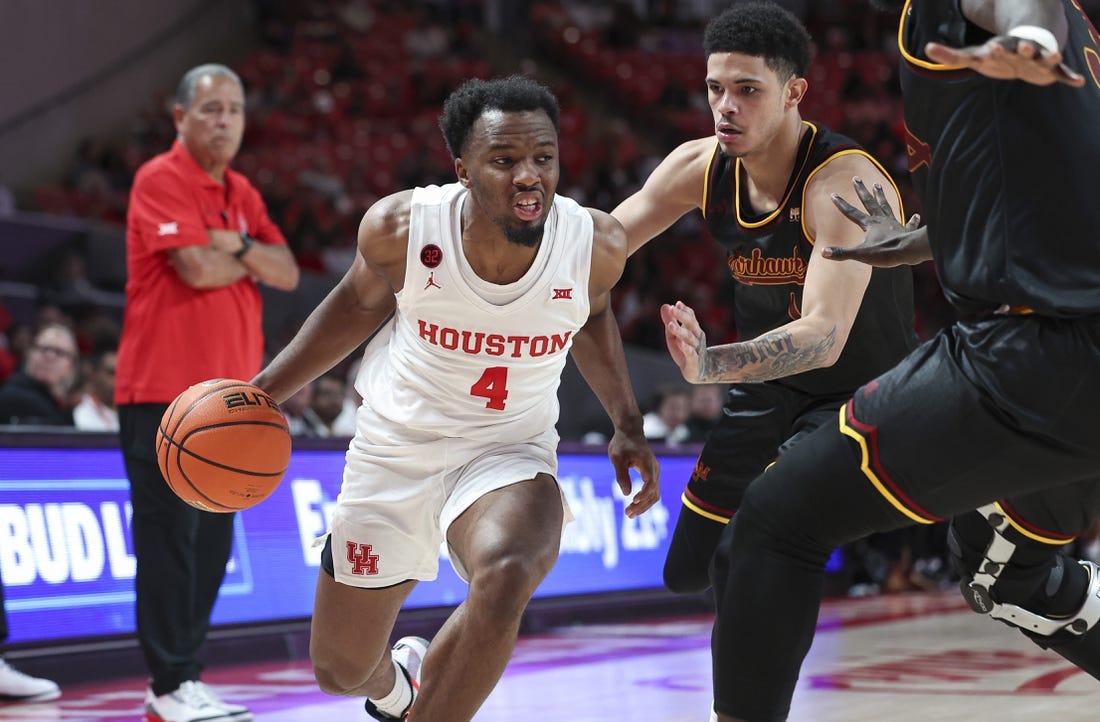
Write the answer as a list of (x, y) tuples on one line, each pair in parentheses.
[(686, 341), (1006, 57), (887, 242), (631, 450)]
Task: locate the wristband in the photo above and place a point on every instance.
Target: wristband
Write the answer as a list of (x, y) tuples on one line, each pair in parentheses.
[(1040, 36), (246, 245)]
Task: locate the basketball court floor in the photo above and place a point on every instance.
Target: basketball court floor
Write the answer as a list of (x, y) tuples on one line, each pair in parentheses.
[(900, 658)]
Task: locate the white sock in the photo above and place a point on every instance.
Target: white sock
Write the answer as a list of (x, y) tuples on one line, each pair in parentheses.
[(399, 698)]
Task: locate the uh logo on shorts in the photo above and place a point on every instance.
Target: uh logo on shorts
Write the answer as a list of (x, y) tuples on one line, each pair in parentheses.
[(362, 561)]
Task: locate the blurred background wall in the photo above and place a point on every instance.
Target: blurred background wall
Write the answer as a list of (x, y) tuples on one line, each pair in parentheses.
[(70, 70), (343, 100)]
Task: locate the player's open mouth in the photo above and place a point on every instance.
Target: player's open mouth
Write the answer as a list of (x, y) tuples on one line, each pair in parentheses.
[(528, 208), (727, 132)]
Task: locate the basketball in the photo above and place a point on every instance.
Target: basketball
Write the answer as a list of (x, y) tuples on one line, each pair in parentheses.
[(223, 445)]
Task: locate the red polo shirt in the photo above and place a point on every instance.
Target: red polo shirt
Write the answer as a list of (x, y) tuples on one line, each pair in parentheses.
[(173, 335)]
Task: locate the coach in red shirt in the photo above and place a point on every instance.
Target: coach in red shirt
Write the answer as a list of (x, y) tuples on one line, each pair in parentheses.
[(198, 238)]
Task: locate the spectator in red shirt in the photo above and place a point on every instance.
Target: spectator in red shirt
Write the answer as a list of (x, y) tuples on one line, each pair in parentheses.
[(198, 239)]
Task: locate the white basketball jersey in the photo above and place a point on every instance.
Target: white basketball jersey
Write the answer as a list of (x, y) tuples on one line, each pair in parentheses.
[(467, 358)]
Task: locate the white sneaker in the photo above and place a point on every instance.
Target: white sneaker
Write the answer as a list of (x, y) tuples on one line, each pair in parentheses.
[(238, 712), (409, 653), (18, 687), (190, 703)]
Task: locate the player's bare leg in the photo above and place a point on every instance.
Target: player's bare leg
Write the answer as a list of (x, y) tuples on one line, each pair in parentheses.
[(349, 637), (508, 542)]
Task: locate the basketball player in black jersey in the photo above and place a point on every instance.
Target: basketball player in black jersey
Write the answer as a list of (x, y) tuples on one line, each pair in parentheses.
[(997, 413), (812, 331)]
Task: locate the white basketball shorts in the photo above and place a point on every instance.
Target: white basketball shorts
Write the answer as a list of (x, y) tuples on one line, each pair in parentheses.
[(403, 488)]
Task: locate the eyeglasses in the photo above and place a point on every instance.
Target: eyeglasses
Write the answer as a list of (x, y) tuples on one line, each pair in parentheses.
[(53, 351)]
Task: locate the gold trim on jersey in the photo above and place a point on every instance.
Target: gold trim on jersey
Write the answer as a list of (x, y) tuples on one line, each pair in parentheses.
[(782, 204), (865, 467), (1030, 534), (706, 177), (847, 151), (911, 59), (1092, 62), (701, 511)]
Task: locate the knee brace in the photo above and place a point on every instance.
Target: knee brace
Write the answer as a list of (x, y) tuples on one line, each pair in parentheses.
[(978, 582)]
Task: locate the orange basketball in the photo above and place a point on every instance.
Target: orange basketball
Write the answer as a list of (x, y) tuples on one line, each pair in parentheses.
[(223, 445)]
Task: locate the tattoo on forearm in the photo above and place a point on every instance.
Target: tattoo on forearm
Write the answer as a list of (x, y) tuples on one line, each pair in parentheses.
[(769, 357), (701, 351)]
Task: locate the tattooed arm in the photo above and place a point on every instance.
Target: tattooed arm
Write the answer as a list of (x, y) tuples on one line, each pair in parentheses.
[(769, 356), (831, 296)]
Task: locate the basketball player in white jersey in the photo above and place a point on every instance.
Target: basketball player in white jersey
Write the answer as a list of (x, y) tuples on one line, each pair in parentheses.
[(490, 282)]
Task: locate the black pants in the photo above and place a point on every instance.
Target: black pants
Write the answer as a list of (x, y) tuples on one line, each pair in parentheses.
[(978, 414), (181, 556), (759, 423)]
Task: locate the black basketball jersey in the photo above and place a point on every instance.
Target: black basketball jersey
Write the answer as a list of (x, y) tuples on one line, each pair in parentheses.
[(1005, 170), (768, 254)]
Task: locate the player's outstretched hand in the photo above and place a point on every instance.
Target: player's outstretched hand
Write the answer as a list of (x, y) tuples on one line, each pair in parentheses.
[(631, 450), (685, 338), (887, 242), (1007, 57)]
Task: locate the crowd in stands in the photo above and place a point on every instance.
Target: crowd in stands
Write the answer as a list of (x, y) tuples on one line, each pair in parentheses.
[(57, 372), (343, 99)]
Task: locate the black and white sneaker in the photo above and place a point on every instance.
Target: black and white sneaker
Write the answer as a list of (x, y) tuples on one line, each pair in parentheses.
[(409, 653)]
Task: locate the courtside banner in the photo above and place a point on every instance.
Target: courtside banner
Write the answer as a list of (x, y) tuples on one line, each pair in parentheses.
[(68, 566)]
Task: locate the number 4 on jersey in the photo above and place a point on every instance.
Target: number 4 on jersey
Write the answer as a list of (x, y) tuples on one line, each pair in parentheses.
[(493, 385)]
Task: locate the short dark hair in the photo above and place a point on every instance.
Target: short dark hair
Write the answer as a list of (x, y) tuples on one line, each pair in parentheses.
[(185, 93), (761, 29), (514, 94), (102, 344)]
